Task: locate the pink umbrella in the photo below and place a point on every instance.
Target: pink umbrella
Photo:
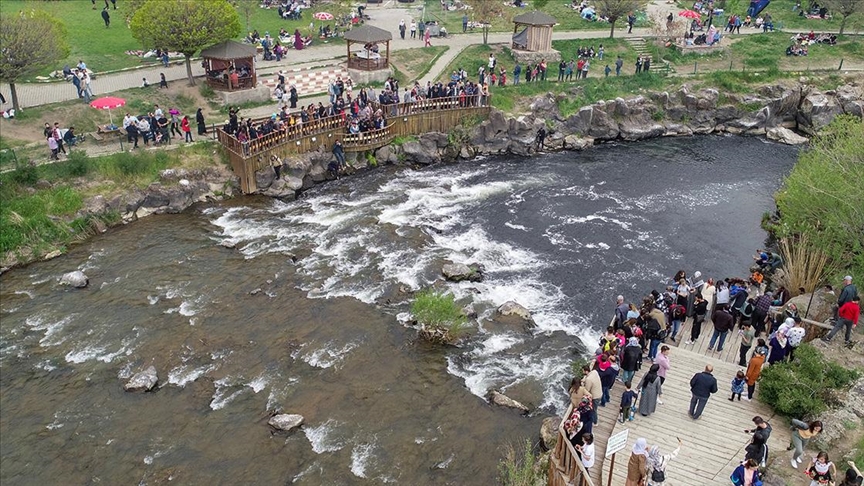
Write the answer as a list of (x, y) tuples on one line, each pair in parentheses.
[(108, 103), (323, 16), (690, 14)]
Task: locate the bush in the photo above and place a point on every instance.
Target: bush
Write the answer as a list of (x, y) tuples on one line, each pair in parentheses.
[(26, 175), (521, 468), (78, 164), (804, 386), (440, 318)]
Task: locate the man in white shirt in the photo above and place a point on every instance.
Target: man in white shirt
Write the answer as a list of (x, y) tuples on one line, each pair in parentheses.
[(127, 120)]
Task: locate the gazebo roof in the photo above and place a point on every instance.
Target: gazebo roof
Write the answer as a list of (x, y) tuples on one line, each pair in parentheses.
[(367, 33), (229, 50), (535, 18)]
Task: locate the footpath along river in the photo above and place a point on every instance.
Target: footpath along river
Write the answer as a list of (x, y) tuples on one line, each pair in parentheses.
[(324, 337)]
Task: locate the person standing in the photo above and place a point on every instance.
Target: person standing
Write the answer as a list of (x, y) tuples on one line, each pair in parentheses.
[(702, 386), (59, 138), (585, 68), (421, 26), (723, 323), (76, 81), (594, 386), (163, 83), (586, 450), (187, 130), (847, 316), (562, 66), (199, 119), (339, 154), (637, 466), (464, 23), (402, 28), (631, 358), (747, 474), (758, 447), (747, 335), (846, 293), (778, 348), (754, 368), (821, 471), (657, 464), (52, 146), (607, 379), (639, 64), (175, 122), (413, 29), (619, 63), (794, 337), (517, 71), (700, 308), (628, 398), (649, 390), (663, 362), (106, 16), (426, 37), (801, 436), (646, 66), (760, 313), (292, 96), (631, 19)]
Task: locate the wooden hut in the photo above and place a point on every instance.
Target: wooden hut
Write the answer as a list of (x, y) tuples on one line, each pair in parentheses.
[(370, 56), (230, 66), (536, 32)]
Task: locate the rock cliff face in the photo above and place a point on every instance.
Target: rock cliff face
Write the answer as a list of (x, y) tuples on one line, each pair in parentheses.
[(773, 111)]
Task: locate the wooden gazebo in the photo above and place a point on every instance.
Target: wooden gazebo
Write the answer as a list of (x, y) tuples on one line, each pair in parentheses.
[(536, 33), (230, 66), (369, 57)]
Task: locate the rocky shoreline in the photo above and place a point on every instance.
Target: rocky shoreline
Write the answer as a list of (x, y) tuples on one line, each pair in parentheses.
[(786, 113)]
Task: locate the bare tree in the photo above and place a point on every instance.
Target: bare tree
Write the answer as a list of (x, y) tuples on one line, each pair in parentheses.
[(617, 9), (845, 9), (484, 12)]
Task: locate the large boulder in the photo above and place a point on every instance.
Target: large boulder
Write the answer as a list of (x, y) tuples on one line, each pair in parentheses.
[(821, 307), (784, 135), (497, 398), (421, 153), (549, 432), (817, 110), (851, 98), (286, 421), (514, 316), (457, 272), (75, 279), (285, 188), (264, 178), (143, 380), (573, 142)]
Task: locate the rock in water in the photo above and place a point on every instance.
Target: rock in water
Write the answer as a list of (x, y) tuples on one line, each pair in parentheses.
[(457, 272), (503, 400), (549, 432), (784, 135), (75, 279), (143, 380), (286, 421), (511, 308)]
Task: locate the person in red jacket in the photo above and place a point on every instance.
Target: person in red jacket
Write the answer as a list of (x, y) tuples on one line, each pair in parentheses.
[(847, 316), (187, 130)]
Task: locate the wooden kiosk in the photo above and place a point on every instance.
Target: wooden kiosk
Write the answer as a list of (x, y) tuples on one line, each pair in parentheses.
[(230, 70), (534, 41), (369, 63)]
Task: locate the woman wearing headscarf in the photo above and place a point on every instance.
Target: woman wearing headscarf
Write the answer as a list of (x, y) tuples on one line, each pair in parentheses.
[(778, 348), (199, 118), (754, 368), (657, 464), (649, 391), (637, 466)]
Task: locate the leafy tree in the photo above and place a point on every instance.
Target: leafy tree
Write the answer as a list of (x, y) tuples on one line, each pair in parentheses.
[(130, 7), (185, 26), (29, 44), (616, 9), (845, 9), (485, 11)]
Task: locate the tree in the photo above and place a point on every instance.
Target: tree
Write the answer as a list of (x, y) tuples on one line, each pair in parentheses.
[(484, 12), (616, 9), (130, 7), (32, 42), (185, 26), (845, 9), (246, 7)]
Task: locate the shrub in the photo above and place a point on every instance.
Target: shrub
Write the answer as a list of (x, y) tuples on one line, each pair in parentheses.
[(520, 467), (26, 175), (440, 318), (78, 164), (804, 386)]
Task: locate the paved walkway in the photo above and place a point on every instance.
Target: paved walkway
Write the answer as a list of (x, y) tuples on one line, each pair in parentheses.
[(713, 445)]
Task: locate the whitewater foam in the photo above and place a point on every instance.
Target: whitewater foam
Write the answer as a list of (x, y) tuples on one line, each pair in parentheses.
[(323, 437)]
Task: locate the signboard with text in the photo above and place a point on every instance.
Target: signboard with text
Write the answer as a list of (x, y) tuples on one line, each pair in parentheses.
[(617, 442)]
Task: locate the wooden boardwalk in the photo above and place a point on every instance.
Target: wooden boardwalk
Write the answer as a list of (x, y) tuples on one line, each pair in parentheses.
[(730, 347), (713, 446)]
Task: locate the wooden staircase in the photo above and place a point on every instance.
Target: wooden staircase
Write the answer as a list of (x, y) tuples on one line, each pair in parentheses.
[(663, 67)]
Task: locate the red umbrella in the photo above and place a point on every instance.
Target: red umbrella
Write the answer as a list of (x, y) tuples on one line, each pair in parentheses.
[(108, 103), (690, 14), (323, 16)]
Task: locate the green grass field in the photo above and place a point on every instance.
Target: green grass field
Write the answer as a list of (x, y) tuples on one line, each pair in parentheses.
[(785, 18)]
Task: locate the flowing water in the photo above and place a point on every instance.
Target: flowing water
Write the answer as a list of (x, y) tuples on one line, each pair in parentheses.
[(308, 315)]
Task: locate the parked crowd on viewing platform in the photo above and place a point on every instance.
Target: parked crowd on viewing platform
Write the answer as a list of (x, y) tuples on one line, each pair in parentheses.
[(770, 328)]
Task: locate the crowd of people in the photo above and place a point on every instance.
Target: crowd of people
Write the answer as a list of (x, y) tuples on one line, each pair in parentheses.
[(159, 127), (800, 42), (770, 331)]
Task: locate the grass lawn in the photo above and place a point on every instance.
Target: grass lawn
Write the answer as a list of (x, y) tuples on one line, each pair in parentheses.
[(473, 57), (413, 64), (765, 52), (785, 18), (568, 18)]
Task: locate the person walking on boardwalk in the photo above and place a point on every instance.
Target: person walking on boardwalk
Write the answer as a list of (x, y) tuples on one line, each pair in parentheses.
[(649, 390), (802, 433), (700, 308), (754, 368), (702, 386), (747, 474), (594, 386), (631, 359), (657, 464), (663, 362), (757, 449), (723, 323), (637, 466)]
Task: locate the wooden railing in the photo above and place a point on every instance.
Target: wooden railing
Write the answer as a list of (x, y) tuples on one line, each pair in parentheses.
[(356, 142), (565, 466)]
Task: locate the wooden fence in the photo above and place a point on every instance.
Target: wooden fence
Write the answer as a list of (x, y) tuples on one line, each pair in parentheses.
[(565, 466), (404, 119)]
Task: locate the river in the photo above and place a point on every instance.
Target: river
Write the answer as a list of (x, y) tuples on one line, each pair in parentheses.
[(307, 314)]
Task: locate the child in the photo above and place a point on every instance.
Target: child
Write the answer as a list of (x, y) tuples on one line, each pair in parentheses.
[(738, 385), (628, 403)]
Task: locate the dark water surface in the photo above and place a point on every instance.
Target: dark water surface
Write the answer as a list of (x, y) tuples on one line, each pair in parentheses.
[(325, 337)]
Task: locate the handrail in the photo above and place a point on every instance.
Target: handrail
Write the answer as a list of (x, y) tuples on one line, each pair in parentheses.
[(353, 140), (565, 461)]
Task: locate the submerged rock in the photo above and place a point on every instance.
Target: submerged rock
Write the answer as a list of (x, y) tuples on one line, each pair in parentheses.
[(549, 432), (286, 421), (143, 380), (502, 400), (457, 272), (75, 279)]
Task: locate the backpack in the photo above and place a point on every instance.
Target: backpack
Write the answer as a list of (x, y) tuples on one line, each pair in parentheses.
[(658, 475)]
